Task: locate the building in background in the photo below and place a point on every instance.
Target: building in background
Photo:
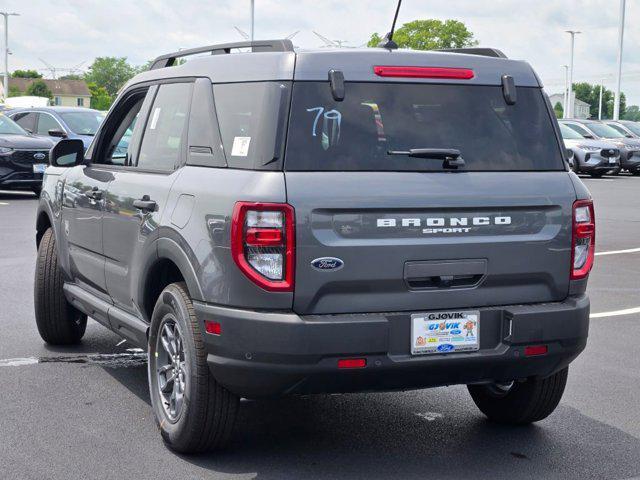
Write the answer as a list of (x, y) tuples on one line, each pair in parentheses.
[(66, 93), (580, 109)]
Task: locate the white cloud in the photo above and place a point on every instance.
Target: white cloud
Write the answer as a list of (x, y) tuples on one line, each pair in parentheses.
[(67, 32)]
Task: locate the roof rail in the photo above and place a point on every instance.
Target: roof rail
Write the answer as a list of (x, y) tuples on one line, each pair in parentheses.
[(484, 52), (169, 59)]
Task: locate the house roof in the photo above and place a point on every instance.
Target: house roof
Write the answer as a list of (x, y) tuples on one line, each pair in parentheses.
[(75, 88)]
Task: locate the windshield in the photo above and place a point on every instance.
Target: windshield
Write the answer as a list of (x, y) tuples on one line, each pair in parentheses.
[(83, 123), (634, 127), (569, 134), (9, 127), (604, 131), (375, 118)]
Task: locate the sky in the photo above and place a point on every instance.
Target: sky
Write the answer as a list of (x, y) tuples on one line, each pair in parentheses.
[(66, 33)]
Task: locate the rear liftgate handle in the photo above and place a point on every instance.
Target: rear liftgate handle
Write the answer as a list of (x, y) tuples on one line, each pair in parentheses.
[(443, 274)]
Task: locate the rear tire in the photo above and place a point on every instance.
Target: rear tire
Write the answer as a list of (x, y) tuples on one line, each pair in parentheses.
[(522, 404), (193, 412), (596, 174), (59, 323)]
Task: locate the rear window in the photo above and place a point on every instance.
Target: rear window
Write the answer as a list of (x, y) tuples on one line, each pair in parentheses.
[(375, 118)]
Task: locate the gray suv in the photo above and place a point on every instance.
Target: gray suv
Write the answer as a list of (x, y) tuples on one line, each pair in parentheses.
[(295, 222)]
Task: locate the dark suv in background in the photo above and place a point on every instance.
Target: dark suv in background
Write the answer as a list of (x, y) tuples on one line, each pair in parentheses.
[(59, 122), (23, 157), (293, 222)]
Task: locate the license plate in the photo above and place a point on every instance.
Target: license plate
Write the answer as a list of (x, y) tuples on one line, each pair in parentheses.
[(39, 167), (445, 332), (612, 160)]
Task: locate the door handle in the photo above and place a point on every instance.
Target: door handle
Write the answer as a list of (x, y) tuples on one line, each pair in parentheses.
[(94, 194), (145, 204)]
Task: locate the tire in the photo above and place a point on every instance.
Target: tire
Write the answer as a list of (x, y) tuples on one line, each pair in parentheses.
[(635, 173), (615, 172), (522, 404), (207, 411), (596, 174), (58, 322), (576, 165)]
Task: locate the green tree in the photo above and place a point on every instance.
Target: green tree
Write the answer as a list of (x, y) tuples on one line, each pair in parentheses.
[(100, 98), (14, 91), (71, 76), (632, 113), (559, 110), (26, 74), (430, 34), (110, 73), (591, 94), (39, 89)]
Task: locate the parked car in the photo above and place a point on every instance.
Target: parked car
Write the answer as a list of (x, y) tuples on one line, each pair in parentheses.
[(59, 122), (597, 130), (23, 157), (594, 157), (626, 127), (279, 231)]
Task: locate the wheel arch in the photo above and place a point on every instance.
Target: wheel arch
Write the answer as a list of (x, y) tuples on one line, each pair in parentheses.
[(170, 265), (43, 223)]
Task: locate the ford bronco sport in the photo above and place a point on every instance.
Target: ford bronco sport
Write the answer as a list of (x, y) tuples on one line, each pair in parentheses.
[(286, 222)]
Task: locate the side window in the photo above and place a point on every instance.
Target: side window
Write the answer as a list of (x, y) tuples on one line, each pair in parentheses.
[(618, 128), (116, 146), (577, 128), (26, 120), (45, 123), (163, 137)]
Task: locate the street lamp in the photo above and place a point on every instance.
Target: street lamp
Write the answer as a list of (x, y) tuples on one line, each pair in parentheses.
[(616, 102), (6, 16), (253, 10), (570, 101), (566, 89)]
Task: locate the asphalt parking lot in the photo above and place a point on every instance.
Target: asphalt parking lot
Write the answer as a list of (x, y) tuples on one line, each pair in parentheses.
[(72, 413)]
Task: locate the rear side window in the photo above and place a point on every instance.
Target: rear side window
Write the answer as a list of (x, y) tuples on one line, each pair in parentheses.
[(163, 139), (375, 118), (252, 118), (26, 121)]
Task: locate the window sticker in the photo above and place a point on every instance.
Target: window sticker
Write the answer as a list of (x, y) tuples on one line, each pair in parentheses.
[(240, 146), (154, 118), (331, 121), (378, 119)]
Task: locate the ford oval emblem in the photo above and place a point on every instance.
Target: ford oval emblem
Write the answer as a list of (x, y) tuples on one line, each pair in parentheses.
[(445, 347), (39, 156), (327, 263)]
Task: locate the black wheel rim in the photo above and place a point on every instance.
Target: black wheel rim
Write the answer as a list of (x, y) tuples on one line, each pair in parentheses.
[(171, 368)]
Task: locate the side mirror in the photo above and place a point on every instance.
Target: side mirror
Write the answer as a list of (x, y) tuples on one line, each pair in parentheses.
[(589, 136), (67, 153), (56, 132), (628, 135)]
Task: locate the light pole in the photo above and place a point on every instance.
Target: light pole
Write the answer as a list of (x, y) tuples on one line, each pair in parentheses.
[(253, 9), (566, 89), (6, 16), (570, 101), (616, 102), (600, 106)]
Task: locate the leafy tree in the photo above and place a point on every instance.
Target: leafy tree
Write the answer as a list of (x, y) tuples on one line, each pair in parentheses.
[(100, 98), (39, 89), (26, 74), (71, 76), (559, 110), (632, 113), (591, 94), (430, 34), (14, 91), (110, 73)]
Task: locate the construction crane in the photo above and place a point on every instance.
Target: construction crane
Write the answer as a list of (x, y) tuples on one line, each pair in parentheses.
[(55, 70), (331, 43)]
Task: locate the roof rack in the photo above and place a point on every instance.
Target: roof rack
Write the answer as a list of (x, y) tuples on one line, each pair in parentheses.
[(484, 52), (169, 59)]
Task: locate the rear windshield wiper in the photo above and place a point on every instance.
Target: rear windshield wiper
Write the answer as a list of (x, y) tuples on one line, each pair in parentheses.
[(450, 156)]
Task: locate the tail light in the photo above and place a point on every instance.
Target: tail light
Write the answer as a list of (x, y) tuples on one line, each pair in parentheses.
[(584, 239), (262, 244), (424, 72)]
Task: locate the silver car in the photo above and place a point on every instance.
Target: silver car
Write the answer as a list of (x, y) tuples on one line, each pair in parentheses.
[(594, 157)]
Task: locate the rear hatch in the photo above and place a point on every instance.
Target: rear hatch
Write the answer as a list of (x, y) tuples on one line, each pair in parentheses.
[(380, 232)]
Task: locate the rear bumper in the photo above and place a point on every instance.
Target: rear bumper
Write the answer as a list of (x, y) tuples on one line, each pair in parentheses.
[(262, 354)]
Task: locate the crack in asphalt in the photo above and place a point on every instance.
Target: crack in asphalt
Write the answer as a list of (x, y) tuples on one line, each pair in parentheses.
[(108, 360)]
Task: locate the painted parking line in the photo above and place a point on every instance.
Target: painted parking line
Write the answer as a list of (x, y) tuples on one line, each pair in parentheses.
[(618, 252), (134, 358), (616, 313), (4, 203)]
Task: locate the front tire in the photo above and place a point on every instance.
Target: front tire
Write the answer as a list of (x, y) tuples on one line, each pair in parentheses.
[(194, 413), (58, 322), (523, 403)]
